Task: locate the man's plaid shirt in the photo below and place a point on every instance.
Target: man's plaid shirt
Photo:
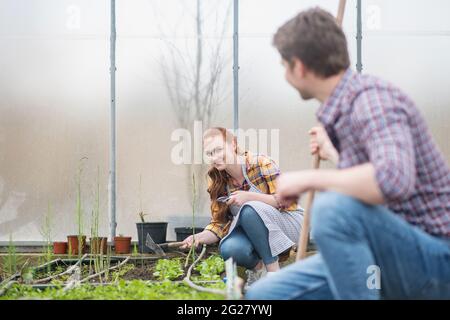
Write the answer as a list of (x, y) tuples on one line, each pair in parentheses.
[(369, 120)]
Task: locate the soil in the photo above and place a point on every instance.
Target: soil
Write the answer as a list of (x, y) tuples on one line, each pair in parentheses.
[(145, 273)]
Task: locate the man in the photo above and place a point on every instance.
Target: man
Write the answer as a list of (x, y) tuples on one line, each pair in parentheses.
[(382, 224)]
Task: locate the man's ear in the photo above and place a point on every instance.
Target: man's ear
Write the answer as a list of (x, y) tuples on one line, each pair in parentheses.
[(298, 68)]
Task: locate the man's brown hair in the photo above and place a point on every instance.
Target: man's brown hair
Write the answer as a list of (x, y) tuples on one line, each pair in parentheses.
[(314, 37)]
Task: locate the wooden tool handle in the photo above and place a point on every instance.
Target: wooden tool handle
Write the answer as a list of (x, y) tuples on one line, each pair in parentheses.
[(340, 14), (173, 244), (304, 234)]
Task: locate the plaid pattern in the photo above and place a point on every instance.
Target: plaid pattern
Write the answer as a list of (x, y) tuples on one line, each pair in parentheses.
[(262, 172), (369, 120)]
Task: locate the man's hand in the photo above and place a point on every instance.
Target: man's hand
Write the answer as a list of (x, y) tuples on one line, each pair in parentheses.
[(291, 185), (321, 143)]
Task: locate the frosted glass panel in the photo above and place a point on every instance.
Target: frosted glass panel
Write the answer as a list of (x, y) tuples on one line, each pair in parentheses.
[(54, 95)]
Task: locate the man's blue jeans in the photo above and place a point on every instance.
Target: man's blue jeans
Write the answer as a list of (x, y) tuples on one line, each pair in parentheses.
[(366, 252)]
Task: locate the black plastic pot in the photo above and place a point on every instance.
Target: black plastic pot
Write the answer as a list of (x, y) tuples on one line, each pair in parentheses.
[(184, 232), (156, 230)]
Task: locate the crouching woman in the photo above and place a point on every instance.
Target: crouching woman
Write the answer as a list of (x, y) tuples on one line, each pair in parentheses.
[(247, 219)]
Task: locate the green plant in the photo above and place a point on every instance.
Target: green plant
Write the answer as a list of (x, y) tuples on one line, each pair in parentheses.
[(141, 211), (211, 268), (166, 269), (10, 261), (79, 207), (96, 243), (122, 290), (193, 206), (141, 216), (46, 232), (95, 216), (69, 250), (135, 249), (107, 262), (122, 271)]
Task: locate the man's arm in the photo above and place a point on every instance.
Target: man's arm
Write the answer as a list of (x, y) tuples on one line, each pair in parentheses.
[(382, 126), (358, 182)]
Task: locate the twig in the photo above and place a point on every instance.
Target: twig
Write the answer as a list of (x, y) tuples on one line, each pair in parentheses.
[(103, 271), (181, 253), (42, 266), (68, 271), (189, 255), (11, 278), (74, 280), (14, 276), (7, 283), (24, 266), (7, 286), (188, 281)]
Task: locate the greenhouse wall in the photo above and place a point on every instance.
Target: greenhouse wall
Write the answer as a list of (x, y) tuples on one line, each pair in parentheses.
[(55, 98)]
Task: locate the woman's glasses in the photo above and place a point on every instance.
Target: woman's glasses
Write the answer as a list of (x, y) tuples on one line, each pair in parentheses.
[(213, 152)]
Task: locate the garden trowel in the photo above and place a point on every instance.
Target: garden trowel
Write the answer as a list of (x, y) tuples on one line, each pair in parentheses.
[(159, 248)]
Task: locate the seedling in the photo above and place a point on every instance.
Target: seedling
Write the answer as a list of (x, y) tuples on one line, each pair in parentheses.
[(166, 269), (141, 211), (141, 216), (10, 261), (211, 268), (79, 207), (193, 206), (96, 243), (135, 249), (46, 232)]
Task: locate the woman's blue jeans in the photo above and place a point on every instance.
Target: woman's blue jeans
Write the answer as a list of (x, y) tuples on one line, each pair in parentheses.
[(366, 252), (248, 243)]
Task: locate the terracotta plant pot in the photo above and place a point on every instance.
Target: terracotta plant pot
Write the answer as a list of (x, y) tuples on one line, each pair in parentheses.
[(60, 247), (99, 245), (122, 244), (73, 244)]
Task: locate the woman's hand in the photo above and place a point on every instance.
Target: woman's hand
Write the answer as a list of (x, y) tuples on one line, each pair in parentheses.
[(321, 143), (189, 241), (204, 237), (240, 197)]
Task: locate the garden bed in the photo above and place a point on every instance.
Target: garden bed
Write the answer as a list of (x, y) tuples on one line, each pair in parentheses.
[(118, 277)]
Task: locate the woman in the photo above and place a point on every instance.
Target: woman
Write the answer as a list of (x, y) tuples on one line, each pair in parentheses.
[(251, 225)]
